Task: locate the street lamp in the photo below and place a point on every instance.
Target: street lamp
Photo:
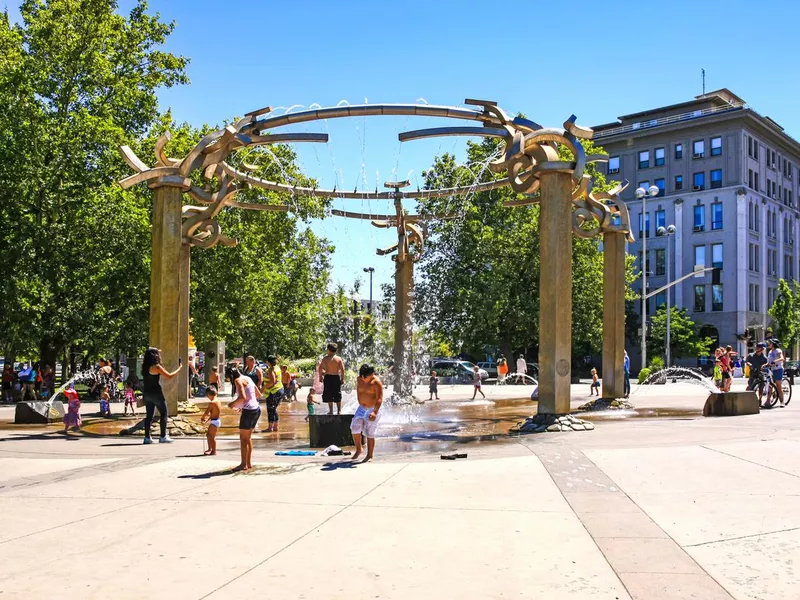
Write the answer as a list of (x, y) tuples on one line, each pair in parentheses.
[(370, 270), (669, 232), (642, 194), (356, 306)]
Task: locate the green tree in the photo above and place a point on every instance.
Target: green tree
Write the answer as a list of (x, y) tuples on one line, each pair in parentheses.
[(786, 313), (479, 277), (684, 338), (77, 80)]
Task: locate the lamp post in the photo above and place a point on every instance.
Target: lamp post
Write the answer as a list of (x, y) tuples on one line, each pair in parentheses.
[(669, 232), (356, 307), (370, 270), (642, 194)]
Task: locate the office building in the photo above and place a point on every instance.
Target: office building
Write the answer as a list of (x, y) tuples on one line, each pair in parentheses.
[(728, 180)]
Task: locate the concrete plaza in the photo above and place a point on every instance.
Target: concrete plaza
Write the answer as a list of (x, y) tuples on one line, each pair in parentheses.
[(647, 508)]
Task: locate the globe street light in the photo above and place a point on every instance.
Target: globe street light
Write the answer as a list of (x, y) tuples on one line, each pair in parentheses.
[(370, 270), (669, 232), (642, 194)]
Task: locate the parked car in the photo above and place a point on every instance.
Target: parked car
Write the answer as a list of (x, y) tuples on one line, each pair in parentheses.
[(490, 368), (455, 371), (792, 369)]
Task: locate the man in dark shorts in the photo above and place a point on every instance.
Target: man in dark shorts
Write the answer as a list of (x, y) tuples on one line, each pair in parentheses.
[(331, 370)]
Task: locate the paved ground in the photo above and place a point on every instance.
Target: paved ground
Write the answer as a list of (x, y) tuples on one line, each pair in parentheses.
[(673, 507)]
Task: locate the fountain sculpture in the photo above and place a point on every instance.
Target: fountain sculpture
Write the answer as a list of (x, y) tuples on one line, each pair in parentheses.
[(532, 165)]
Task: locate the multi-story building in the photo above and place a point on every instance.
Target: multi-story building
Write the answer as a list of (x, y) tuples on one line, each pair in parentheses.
[(728, 180)]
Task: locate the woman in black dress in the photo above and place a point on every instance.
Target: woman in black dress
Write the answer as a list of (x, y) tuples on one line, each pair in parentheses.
[(152, 370)]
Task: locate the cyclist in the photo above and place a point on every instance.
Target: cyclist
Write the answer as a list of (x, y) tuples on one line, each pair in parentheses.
[(756, 360), (775, 360)]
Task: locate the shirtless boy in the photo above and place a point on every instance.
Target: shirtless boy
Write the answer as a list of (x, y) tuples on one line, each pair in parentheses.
[(365, 420), (332, 370), (212, 417)]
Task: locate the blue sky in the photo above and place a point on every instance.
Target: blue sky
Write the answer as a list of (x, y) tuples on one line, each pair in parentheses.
[(597, 59)]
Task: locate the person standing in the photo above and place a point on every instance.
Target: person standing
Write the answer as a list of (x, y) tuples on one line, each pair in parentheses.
[(775, 360), (245, 399), (365, 420), (153, 395), (8, 383), (522, 368), (502, 369), (626, 371), (254, 372), (273, 392), (755, 363), (72, 418), (331, 367), (48, 381)]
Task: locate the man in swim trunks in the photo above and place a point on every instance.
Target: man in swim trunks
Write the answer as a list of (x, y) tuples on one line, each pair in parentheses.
[(365, 420), (331, 368)]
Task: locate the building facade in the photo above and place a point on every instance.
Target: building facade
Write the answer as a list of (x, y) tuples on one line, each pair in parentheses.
[(728, 180)]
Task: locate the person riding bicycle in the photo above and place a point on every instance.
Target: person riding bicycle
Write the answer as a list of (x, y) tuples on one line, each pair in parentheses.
[(756, 360), (775, 360)]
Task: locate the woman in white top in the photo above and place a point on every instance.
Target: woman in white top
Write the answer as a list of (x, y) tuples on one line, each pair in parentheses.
[(245, 399)]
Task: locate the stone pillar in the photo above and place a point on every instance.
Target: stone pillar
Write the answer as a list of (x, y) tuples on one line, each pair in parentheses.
[(169, 291), (613, 315), (555, 287), (215, 361), (403, 360)]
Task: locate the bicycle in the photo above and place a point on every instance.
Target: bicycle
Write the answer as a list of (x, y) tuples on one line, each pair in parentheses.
[(771, 399)]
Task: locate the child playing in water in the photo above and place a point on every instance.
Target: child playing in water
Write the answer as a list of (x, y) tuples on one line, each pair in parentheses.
[(310, 402), (130, 399), (476, 379), (105, 401), (718, 374), (72, 420), (595, 387), (212, 417), (433, 385)]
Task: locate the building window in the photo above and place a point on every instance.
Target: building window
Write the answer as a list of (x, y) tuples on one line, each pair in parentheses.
[(644, 159), (678, 151), (750, 216), (661, 219), (716, 146), (661, 299), (659, 183), (699, 256), (716, 297), (749, 146), (750, 178), (755, 149), (751, 293), (646, 232), (755, 181), (716, 256), (699, 181), (750, 259), (700, 218), (639, 263), (699, 298), (699, 149), (678, 182), (644, 185), (757, 257), (660, 157), (661, 263), (716, 178), (716, 216), (613, 165), (773, 161)]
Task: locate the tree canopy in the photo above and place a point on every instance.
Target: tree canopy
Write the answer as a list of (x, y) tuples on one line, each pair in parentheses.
[(479, 277), (684, 338), (786, 313)]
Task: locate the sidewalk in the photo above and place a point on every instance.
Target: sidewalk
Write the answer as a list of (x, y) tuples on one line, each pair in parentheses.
[(646, 509)]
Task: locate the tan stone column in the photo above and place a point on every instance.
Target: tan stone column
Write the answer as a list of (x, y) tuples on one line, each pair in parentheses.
[(169, 291), (555, 293), (613, 314), (403, 367)]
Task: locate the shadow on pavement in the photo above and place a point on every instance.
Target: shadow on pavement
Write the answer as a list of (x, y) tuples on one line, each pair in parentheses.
[(344, 464)]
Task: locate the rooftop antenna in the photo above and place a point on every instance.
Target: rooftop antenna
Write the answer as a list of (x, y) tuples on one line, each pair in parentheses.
[(703, 75)]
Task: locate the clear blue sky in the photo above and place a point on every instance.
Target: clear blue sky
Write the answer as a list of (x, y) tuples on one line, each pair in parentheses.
[(597, 59)]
